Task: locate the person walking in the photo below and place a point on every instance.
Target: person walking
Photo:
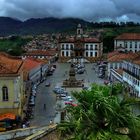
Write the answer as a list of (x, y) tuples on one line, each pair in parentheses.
[(44, 106), (51, 122)]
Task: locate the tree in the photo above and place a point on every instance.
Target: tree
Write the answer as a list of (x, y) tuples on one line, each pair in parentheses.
[(99, 116)]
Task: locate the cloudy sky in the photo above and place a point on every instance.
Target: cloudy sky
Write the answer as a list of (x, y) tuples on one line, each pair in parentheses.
[(91, 10)]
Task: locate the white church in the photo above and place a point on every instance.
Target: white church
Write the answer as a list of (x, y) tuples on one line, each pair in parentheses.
[(80, 48)]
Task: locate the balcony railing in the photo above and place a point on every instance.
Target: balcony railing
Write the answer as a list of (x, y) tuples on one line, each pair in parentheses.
[(132, 74), (79, 49)]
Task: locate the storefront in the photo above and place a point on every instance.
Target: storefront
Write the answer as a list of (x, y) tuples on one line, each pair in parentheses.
[(8, 121)]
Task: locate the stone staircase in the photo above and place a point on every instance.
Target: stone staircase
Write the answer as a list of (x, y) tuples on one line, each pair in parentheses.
[(63, 59)]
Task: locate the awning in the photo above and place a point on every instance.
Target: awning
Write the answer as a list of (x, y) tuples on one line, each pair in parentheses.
[(10, 116)]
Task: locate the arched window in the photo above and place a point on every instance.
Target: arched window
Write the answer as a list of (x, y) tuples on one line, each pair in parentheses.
[(4, 93), (67, 46), (67, 53), (62, 47), (71, 47), (62, 53)]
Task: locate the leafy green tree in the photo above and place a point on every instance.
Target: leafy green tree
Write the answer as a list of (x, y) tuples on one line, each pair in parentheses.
[(99, 116)]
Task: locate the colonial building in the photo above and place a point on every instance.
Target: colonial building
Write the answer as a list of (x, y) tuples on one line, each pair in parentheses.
[(115, 60), (34, 70), (127, 42), (49, 55), (80, 48), (11, 85), (131, 75), (125, 68)]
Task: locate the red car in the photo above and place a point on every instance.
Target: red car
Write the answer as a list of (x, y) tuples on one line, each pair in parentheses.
[(70, 103)]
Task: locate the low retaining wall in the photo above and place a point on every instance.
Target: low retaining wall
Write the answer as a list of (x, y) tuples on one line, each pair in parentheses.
[(13, 134)]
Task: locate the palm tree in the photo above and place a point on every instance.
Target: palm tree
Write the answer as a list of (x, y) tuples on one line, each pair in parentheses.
[(99, 116)]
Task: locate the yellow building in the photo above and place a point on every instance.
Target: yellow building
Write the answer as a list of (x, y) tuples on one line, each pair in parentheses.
[(11, 85)]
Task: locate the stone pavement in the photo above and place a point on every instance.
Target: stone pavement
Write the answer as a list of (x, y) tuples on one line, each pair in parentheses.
[(45, 95)]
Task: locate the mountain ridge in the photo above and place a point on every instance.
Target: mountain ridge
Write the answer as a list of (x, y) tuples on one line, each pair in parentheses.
[(34, 26)]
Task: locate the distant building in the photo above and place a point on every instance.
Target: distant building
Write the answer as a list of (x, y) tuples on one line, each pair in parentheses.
[(11, 85), (34, 71), (49, 55), (127, 42), (80, 48)]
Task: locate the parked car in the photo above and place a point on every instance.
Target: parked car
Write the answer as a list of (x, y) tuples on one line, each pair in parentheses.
[(101, 75), (47, 84), (70, 103), (54, 66), (58, 90), (34, 93), (31, 101), (85, 88), (67, 98), (61, 95), (49, 73), (80, 71)]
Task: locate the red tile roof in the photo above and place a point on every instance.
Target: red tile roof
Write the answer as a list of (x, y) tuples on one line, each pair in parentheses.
[(117, 57), (112, 54), (128, 36), (137, 62), (90, 40), (30, 63), (9, 65), (83, 40), (136, 58)]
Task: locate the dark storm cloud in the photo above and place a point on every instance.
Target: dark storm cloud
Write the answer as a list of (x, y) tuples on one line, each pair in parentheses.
[(119, 10)]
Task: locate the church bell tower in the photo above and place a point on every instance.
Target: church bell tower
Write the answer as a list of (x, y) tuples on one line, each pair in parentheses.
[(79, 30)]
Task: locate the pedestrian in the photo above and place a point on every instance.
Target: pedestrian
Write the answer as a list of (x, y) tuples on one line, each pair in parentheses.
[(28, 123), (51, 122), (23, 125), (44, 106)]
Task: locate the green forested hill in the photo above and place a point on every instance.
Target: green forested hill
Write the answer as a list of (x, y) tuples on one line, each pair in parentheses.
[(13, 45)]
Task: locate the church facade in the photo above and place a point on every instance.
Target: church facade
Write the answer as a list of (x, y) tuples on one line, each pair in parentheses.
[(80, 48)]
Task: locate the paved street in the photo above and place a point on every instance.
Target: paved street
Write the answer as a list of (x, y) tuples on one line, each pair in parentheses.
[(46, 96)]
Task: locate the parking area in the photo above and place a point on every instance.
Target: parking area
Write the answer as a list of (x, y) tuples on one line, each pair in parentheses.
[(46, 99)]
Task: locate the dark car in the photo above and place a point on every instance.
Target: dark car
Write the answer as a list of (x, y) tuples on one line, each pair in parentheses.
[(49, 73), (80, 71), (101, 76)]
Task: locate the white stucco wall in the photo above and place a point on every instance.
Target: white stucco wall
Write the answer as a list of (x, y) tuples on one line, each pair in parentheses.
[(135, 44)]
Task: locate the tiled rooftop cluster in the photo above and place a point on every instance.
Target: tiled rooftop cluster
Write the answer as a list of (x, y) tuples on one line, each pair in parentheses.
[(42, 42)]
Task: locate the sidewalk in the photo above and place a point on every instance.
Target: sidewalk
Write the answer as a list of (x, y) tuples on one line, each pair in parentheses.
[(57, 118)]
